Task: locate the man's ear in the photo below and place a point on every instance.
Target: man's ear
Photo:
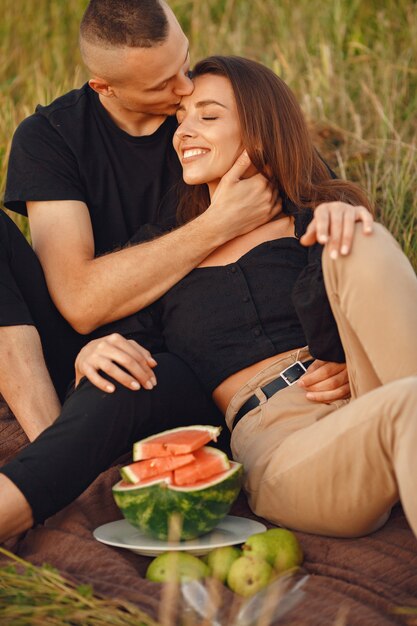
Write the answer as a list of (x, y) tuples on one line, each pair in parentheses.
[(101, 86)]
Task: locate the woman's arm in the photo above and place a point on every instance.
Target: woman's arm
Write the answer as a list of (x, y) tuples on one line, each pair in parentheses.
[(325, 382), (333, 224)]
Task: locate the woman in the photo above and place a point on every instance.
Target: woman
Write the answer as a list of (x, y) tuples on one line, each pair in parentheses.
[(327, 468)]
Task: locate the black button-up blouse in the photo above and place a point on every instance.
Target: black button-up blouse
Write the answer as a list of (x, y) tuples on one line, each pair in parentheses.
[(222, 319)]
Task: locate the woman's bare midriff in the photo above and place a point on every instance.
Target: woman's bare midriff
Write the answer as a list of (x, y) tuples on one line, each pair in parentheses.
[(227, 389)]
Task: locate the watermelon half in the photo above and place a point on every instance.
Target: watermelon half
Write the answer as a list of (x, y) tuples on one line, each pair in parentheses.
[(194, 486), (151, 504)]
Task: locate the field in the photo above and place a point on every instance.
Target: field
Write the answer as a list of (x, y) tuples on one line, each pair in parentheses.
[(352, 64)]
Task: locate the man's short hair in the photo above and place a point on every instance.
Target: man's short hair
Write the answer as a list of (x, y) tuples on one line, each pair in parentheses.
[(124, 23)]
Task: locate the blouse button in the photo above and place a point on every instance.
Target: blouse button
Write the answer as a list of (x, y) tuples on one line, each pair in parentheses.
[(257, 332), (245, 299), (233, 269)]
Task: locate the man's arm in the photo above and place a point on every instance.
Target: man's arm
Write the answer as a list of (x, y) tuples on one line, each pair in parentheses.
[(90, 292)]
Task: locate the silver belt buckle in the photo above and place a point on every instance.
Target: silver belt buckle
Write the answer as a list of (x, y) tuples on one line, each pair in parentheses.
[(299, 371)]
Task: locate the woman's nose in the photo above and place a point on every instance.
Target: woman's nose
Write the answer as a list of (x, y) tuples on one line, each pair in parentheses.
[(186, 129)]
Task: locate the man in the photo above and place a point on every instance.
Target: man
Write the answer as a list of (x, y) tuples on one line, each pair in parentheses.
[(92, 169)]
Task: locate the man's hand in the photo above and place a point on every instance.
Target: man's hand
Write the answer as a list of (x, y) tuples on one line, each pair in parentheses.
[(325, 381), (243, 201), (107, 354), (333, 224)]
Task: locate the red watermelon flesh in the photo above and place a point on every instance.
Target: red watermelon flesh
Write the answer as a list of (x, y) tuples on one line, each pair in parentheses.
[(175, 441), (208, 462), (166, 477), (142, 470)]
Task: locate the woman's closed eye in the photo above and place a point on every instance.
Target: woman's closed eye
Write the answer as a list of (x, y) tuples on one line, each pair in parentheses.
[(206, 118)]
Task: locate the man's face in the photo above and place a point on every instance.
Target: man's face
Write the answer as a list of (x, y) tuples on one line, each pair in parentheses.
[(152, 81)]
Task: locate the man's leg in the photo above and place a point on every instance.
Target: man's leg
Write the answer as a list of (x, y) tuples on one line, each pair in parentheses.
[(15, 512), (93, 430), (25, 382), (31, 331)]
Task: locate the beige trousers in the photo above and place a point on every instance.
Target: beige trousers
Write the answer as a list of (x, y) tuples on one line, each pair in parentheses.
[(337, 469)]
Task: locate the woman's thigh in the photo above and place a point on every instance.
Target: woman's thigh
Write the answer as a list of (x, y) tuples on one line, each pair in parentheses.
[(324, 469)]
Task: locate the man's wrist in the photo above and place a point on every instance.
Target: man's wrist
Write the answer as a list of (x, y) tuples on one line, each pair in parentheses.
[(214, 232)]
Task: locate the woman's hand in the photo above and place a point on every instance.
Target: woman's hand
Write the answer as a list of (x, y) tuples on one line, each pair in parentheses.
[(107, 354), (334, 224), (325, 381)]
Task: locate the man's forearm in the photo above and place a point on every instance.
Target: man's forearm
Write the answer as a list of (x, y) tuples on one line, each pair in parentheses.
[(118, 284)]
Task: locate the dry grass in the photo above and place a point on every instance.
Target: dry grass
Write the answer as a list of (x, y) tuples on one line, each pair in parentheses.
[(352, 65), (40, 596)]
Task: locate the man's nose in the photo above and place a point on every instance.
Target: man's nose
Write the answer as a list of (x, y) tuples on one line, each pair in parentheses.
[(184, 86)]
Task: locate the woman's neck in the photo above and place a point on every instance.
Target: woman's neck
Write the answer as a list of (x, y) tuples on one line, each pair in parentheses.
[(212, 186)]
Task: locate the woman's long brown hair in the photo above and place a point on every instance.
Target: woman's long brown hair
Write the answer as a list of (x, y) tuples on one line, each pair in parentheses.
[(276, 137)]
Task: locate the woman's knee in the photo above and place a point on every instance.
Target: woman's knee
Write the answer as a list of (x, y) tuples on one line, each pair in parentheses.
[(400, 409), (369, 251)]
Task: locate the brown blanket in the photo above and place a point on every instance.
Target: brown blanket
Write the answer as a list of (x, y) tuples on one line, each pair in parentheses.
[(362, 579)]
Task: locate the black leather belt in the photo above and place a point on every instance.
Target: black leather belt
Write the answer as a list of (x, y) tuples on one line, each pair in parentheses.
[(287, 377)]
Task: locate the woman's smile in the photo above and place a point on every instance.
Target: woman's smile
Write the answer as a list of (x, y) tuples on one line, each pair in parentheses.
[(190, 154)]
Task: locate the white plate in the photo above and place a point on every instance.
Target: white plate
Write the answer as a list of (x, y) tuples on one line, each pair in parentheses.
[(230, 531)]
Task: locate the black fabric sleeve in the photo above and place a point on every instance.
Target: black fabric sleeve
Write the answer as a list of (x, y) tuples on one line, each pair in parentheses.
[(41, 166), (314, 312)]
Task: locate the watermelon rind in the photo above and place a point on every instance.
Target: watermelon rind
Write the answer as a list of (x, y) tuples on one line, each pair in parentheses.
[(214, 432), (201, 507), (128, 475)]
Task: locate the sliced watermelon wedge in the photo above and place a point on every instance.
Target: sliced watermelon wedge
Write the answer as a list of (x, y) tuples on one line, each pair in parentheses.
[(142, 470), (182, 440), (208, 462), (167, 478)]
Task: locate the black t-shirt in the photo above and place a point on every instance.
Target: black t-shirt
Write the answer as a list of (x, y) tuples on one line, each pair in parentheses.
[(72, 150)]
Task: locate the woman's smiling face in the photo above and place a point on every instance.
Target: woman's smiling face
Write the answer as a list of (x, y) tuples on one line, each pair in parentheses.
[(208, 139)]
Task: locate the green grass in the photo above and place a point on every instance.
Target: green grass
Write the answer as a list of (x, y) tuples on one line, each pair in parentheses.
[(41, 596), (352, 64)]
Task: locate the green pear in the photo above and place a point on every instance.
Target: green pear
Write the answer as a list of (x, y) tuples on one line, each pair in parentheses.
[(278, 546), (176, 567), (249, 574), (220, 560)]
